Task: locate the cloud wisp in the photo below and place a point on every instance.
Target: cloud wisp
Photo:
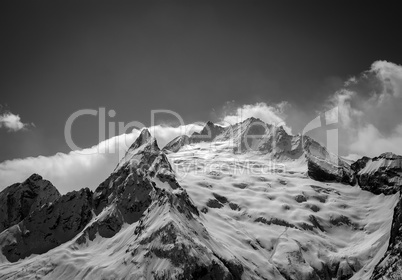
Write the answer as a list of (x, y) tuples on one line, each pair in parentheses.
[(12, 122), (271, 114)]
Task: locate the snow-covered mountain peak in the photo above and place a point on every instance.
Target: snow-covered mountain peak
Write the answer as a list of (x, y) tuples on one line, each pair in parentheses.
[(143, 138)]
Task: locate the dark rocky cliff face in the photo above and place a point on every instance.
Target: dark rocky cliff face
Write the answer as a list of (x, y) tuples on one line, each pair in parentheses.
[(49, 226), (323, 166), (382, 174), (19, 200), (338, 174)]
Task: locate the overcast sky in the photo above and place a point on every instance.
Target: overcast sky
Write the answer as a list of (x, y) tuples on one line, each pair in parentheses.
[(201, 59)]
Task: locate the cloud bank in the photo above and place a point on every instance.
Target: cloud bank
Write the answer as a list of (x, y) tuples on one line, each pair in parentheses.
[(83, 168)]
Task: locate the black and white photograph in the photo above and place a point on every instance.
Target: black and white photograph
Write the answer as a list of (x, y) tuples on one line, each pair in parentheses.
[(199, 139)]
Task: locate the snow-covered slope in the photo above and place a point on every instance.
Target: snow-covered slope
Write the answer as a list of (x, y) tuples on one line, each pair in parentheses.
[(383, 175), (281, 223), (270, 206), (390, 266)]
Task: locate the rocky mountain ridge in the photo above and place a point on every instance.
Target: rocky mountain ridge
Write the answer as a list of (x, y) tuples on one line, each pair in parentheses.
[(141, 191)]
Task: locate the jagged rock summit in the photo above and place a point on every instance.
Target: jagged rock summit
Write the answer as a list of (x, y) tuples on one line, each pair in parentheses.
[(208, 133), (254, 135)]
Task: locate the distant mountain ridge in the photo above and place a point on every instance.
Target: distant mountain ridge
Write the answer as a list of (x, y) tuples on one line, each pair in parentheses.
[(256, 136)]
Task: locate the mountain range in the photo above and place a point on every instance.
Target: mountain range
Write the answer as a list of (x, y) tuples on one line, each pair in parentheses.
[(247, 201)]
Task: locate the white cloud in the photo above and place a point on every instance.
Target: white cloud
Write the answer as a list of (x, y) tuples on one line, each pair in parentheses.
[(390, 75), (271, 114), (83, 168), (11, 122), (345, 113), (372, 143), (164, 134), (369, 110)]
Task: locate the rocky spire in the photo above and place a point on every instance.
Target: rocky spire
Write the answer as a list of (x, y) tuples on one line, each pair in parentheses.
[(144, 145), (142, 139)]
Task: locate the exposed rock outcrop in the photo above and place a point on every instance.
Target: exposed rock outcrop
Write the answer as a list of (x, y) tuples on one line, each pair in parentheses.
[(49, 226), (19, 200), (176, 144), (382, 174), (325, 166)]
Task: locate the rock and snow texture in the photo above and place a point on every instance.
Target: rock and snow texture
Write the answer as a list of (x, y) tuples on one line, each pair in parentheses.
[(382, 174), (47, 227), (280, 223), (390, 266), (176, 144), (271, 206), (324, 166), (151, 228), (208, 133)]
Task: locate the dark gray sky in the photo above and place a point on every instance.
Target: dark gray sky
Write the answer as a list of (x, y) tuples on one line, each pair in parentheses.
[(192, 57)]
